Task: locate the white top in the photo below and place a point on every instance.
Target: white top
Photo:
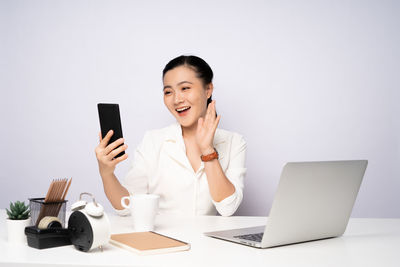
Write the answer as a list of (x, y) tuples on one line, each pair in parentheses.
[(160, 166)]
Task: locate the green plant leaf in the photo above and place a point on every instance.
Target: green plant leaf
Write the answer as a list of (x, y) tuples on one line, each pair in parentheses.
[(18, 211), (9, 213), (11, 206), (25, 215)]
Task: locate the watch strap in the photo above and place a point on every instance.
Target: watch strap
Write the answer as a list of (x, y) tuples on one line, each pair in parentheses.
[(210, 157)]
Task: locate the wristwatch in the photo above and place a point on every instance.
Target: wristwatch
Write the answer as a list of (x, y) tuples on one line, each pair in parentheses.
[(210, 157)]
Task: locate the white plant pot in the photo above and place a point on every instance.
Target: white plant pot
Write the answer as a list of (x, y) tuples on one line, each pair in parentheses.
[(16, 230)]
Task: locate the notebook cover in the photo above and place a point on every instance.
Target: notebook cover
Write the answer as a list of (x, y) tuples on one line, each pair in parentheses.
[(148, 243)]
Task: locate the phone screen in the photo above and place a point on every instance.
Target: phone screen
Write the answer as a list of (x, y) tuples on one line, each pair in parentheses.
[(110, 119)]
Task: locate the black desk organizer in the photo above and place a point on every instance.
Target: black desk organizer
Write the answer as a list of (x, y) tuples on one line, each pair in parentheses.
[(52, 236), (47, 238)]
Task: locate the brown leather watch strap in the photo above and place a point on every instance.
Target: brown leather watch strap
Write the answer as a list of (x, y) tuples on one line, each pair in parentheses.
[(210, 157)]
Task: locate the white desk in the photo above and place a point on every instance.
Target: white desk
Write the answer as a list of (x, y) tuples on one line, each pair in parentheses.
[(367, 242)]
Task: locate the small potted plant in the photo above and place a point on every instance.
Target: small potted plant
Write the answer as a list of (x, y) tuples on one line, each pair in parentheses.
[(18, 219)]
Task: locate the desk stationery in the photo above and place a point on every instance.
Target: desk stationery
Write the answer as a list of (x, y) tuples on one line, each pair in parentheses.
[(366, 242)]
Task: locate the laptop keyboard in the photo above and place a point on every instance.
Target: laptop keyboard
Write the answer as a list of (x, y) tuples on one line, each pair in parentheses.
[(252, 237)]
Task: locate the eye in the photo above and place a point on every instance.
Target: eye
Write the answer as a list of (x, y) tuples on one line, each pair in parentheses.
[(185, 88), (167, 92)]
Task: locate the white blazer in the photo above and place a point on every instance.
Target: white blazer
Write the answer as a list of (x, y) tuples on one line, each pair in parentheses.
[(160, 166)]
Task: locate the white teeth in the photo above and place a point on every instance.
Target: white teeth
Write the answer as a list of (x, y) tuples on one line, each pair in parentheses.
[(182, 109)]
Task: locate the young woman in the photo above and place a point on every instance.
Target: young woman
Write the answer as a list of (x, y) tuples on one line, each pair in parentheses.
[(192, 165)]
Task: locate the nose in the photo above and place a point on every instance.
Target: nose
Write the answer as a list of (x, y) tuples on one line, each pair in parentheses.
[(178, 98)]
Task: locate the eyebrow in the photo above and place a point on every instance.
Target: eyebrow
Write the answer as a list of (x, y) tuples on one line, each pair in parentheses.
[(169, 86)]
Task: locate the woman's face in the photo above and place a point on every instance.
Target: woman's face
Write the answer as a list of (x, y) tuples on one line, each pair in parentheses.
[(185, 95)]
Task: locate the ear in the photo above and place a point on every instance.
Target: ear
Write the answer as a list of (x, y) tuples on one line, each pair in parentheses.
[(209, 90)]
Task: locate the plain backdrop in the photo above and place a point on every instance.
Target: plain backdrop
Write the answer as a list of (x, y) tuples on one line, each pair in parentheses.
[(300, 80)]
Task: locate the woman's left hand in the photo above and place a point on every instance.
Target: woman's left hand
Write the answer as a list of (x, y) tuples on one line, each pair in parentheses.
[(206, 128)]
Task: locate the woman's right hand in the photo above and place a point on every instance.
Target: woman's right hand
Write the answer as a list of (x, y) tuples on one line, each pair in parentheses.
[(105, 154)]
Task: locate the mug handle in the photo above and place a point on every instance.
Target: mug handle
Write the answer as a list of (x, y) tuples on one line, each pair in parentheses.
[(123, 202)]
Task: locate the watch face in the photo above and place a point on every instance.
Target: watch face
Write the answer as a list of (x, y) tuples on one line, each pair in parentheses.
[(80, 231)]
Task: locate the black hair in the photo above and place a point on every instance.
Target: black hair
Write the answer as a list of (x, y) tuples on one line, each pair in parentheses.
[(202, 69)]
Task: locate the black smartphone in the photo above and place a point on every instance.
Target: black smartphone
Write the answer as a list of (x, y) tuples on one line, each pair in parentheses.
[(110, 119)]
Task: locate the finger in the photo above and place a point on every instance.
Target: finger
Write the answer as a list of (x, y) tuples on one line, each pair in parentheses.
[(121, 158), (214, 110), (106, 139), (216, 123), (100, 138), (205, 116), (113, 145), (208, 115), (210, 108), (200, 123), (116, 152)]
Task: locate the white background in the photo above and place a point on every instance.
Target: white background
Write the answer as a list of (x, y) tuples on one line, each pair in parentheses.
[(301, 80)]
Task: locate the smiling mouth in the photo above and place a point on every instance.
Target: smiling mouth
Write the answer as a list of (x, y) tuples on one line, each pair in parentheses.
[(182, 111)]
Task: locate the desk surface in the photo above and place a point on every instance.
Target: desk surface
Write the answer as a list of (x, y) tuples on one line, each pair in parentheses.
[(366, 242)]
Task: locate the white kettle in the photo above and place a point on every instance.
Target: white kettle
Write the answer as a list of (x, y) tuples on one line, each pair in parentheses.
[(88, 225)]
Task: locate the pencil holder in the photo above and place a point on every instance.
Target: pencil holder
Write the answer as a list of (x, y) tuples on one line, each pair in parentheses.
[(43, 214)]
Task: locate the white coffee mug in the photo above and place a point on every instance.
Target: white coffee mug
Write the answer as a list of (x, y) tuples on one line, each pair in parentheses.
[(143, 210)]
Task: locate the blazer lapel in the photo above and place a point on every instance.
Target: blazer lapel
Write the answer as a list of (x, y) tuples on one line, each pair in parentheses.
[(175, 147), (177, 153)]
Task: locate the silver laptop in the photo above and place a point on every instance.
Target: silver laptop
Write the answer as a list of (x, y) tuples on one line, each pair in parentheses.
[(313, 201)]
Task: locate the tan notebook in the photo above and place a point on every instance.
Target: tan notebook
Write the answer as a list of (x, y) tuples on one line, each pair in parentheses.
[(147, 243)]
